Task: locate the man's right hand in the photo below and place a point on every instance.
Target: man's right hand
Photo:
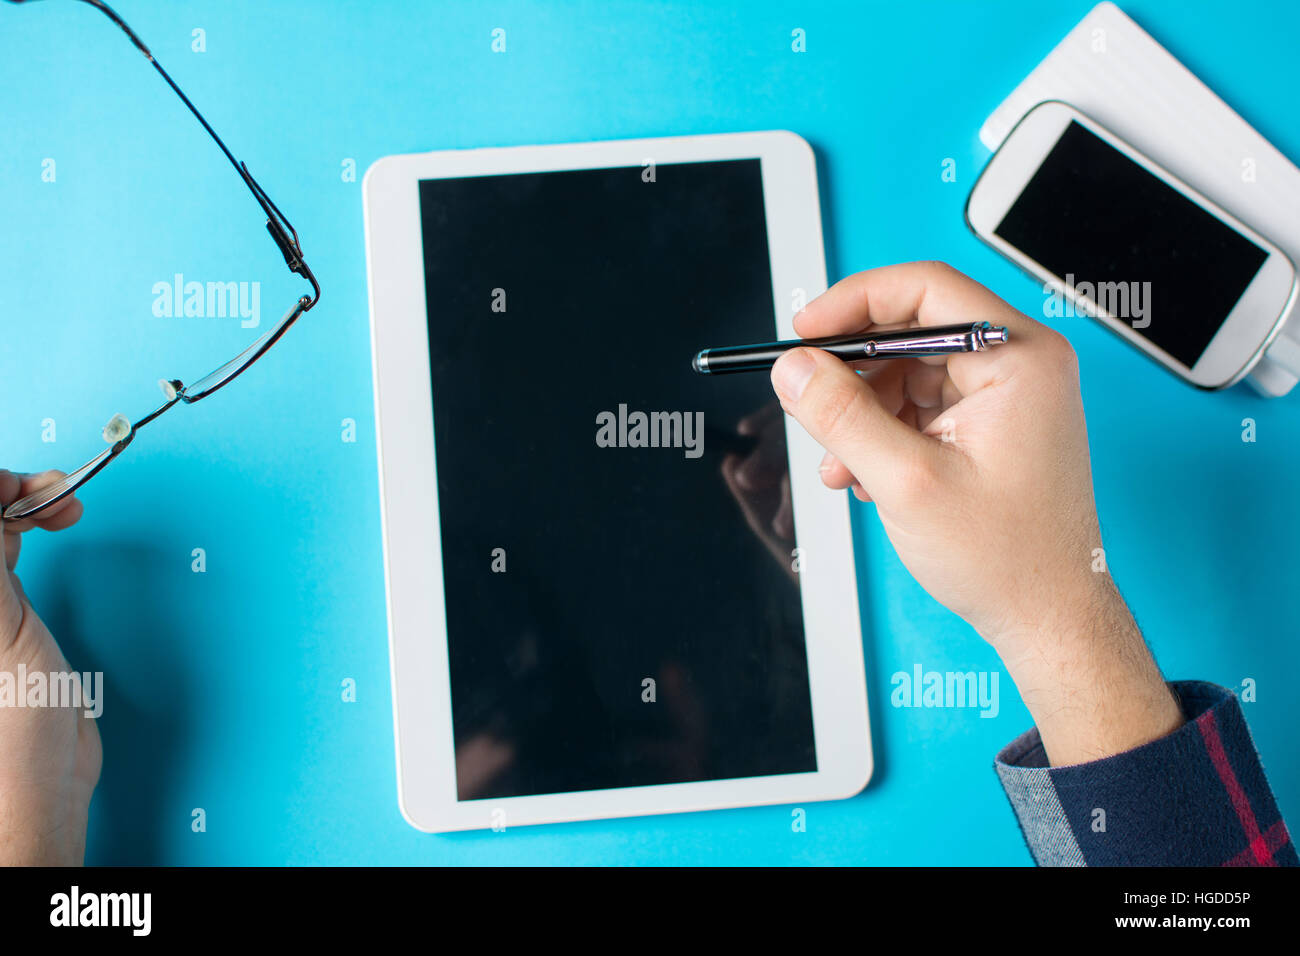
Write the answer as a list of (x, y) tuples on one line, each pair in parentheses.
[(978, 464)]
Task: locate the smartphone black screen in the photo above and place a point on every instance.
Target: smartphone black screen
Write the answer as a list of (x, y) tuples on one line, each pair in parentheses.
[(1092, 215)]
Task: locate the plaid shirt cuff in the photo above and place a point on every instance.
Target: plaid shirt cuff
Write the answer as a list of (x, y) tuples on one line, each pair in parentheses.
[(1197, 797)]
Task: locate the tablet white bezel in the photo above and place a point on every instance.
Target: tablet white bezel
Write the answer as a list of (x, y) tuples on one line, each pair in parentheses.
[(407, 479)]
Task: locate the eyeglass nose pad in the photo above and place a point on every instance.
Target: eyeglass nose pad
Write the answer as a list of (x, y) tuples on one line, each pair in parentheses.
[(118, 428), (171, 388)]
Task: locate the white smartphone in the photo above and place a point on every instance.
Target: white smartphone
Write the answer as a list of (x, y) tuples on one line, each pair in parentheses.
[(1112, 235)]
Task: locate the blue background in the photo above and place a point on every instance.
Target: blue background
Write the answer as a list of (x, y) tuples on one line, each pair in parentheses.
[(223, 688)]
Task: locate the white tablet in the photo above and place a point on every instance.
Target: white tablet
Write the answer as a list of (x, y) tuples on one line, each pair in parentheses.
[(615, 587)]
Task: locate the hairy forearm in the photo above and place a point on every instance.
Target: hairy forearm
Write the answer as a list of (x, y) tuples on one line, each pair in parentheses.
[(1089, 680)]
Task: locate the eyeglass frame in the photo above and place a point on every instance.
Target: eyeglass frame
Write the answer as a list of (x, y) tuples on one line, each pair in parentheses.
[(286, 239)]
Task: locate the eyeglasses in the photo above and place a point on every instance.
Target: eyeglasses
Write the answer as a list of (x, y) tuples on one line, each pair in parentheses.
[(120, 431)]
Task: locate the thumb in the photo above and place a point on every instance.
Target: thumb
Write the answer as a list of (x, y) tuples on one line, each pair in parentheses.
[(845, 416), (11, 607)]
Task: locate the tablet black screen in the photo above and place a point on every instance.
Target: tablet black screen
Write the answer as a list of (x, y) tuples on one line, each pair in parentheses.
[(622, 608)]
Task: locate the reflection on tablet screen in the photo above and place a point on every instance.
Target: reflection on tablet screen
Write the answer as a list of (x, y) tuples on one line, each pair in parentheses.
[(617, 540)]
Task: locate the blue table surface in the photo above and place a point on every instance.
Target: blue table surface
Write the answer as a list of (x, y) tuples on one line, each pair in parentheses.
[(224, 687)]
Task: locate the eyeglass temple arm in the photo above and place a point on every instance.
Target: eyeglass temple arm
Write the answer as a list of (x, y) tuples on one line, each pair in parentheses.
[(287, 241), (281, 230)]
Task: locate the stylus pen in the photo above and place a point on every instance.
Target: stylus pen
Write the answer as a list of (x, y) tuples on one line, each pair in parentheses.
[(902, 343)]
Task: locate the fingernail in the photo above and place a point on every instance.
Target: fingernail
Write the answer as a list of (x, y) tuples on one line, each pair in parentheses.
[(791, 373), (828, 462)]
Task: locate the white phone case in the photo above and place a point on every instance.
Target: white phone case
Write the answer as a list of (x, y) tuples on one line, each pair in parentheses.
[(1111, 69)]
